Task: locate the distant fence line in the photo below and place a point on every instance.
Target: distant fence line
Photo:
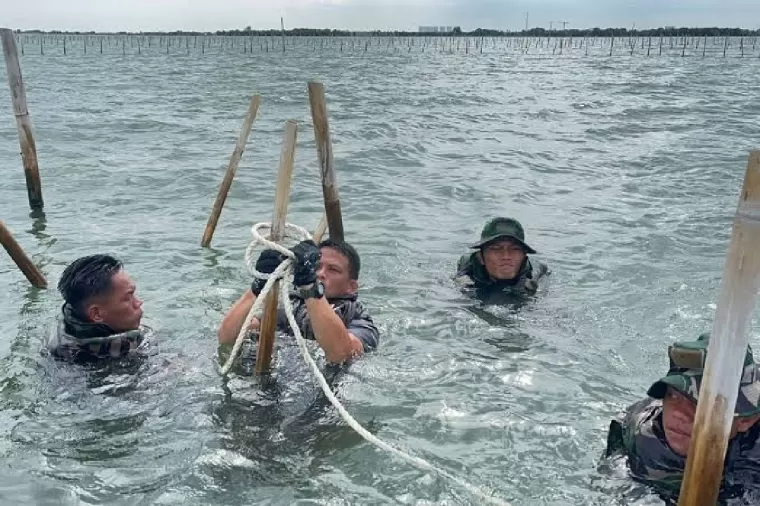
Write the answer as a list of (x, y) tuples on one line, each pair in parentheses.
[(70, 45)]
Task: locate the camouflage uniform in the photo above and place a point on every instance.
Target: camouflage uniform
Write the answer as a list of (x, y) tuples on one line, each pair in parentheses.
[(639, 435), (353, 314), (78, 340), (471, 273)]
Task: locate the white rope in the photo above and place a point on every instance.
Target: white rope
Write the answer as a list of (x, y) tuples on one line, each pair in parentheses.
[(285, 272)]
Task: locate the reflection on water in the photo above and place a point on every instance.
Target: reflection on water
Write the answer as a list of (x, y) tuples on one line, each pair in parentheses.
[(624, 172)]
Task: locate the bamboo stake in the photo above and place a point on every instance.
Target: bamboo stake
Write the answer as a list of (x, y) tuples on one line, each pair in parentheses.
[(23, 120), (727, 348), (237, 154), (281, 198), (321, 229), (325, 155), (23, 262)]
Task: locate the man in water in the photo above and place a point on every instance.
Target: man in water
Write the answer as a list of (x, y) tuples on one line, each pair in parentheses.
[(500, 263), (654, 434), (101, 313), (325, 305)]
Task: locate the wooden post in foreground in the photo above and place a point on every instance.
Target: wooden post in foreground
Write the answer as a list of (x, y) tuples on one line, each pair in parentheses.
[(237, 154), (281, 198), (321, 229), (325, 154), (23, 262), (23, 121), (727, 348)]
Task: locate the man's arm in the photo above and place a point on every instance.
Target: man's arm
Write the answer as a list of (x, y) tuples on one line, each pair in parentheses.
[(235, 318), (331, 334)]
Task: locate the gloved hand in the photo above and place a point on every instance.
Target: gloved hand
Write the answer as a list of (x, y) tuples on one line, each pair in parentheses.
[(267, 262), (306, 262)]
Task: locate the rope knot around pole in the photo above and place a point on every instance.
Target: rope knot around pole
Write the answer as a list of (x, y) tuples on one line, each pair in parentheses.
[(261, 235)]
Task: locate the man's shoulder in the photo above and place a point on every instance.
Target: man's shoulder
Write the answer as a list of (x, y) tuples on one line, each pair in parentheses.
[(628, 424)]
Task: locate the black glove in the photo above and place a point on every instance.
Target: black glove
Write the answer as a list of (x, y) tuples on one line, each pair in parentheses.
[(306, 262), (268, 261)]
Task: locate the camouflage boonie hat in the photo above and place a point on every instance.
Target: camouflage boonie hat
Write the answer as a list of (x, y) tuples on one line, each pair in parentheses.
[(506, 228), (687, 362)]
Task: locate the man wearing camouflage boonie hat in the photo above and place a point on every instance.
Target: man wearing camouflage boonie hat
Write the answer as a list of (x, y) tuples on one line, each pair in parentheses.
[(500, 262), (655, 433)]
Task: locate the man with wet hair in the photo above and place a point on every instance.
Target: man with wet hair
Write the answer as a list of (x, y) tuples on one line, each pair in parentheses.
[(654, 434), (101, 313), (325, 301), (500, 263)]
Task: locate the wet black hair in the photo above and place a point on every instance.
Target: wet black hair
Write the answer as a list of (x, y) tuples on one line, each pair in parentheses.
[(348, 251), (87, 277)]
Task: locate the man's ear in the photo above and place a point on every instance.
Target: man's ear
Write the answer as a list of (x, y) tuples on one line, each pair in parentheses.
[(745, 423), (94, 313), (353, 285)]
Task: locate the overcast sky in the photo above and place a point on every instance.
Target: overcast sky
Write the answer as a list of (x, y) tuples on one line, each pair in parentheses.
[(202, 15)]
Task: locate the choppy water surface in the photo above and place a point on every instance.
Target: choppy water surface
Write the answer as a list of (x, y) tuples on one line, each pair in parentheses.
[(625, 172)]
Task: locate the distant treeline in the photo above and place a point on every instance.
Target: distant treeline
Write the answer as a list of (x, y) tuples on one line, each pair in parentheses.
[(668, 31)]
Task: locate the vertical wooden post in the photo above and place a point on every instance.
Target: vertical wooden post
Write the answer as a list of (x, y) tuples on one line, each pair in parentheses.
[(728, 345), (281, 198), (23, 120), (237, 154), (23, 262), (725, 47), (282, 26), (325, 155)]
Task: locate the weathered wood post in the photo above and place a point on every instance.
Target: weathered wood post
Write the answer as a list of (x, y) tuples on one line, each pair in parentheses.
[(325, 155), (728, 345), (23, 262), (281, 198), (23, 120), (237, 154)]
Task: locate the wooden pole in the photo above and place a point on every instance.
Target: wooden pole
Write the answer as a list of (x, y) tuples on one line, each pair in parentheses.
[(23, 120), (728, 345), (321, 229), (281, 198), (237, 154), (23, 262), (325, 155)]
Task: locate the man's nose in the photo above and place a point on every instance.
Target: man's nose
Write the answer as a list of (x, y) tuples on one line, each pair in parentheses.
[(321, 274), (138, 302)]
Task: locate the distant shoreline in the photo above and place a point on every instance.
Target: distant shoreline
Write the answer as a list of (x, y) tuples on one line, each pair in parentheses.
[(456, 32)]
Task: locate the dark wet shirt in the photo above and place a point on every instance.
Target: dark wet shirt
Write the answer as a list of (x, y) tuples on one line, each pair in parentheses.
[(354, 315)]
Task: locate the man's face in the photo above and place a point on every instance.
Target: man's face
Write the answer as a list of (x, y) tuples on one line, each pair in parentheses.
[(678, 415), (119, 308), (503, 259), (333, 272)]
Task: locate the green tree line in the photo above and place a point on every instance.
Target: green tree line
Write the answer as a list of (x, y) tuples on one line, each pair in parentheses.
[(457, 31)]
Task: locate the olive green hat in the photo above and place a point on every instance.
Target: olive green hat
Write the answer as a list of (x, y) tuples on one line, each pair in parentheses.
[(687, 362), (499, 228)]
